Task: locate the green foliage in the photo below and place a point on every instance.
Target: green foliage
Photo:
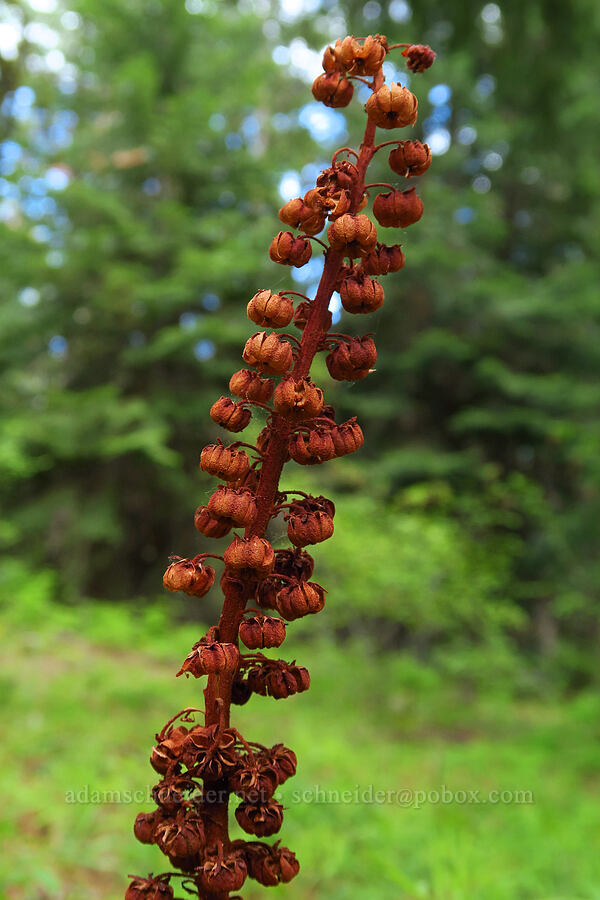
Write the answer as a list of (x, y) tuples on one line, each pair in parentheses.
[(88, 686)]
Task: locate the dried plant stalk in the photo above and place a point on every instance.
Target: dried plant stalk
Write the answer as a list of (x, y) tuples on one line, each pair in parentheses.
[(203, 765)]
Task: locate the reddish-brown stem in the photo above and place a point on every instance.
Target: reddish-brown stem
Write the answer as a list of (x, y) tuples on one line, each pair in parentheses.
[(218, 690)]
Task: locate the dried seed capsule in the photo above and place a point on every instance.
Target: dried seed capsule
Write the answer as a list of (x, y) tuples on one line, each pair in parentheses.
[(189, 576), (294, 564), (283, 761), (230, 415), (347, 437), (289, 250), (211, 659), (331, 62), (362, 59), (354, 235), (333, 89), (224, 462), (392, 107), (262, 819), (410, 158), (210, 526), (260, 632), (167, 752), (302, 599), (309, 528), (268, 353), (270, 310), (339, 177), (250, 386), (361, 294), (257, 679), (145, 826), (383, 260), (252, 556), (288, 864), (418, 57), (398, 209), (266, 592), (315, 449), (181, 838), (255, 781), (297, 214), (222, 872), (240, 691), (149, 889), (210, 753), (299, 399), (285, 681), (352, 360), (238, 506)]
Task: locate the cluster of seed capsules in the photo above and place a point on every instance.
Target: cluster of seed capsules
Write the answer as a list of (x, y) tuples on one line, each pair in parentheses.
[(266, 588)]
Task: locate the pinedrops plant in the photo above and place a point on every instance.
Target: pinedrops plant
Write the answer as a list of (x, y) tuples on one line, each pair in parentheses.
[(202, 766)]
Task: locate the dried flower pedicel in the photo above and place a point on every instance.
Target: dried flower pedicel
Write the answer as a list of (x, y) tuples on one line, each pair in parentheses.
[(201, 758)]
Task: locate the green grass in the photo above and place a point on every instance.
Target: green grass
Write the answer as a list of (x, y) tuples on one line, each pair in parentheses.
[(85, 689)]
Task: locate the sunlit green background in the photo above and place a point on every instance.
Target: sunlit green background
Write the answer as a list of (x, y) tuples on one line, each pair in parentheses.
[(145, 147)]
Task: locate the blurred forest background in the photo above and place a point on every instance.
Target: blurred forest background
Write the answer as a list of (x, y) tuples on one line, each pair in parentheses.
[(145, 147)]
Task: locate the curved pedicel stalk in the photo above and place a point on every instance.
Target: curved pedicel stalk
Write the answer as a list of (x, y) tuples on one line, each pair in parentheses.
[(202, 765)]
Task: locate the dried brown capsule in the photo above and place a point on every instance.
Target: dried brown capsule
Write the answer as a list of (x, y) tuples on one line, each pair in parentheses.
[(333, 89), (418, 57), (167, 752), (302, 599), (262, 819), (210, 526), (283, 761), (289, 250), (260, 632), (361, 294), (230, 415), (271, 865), (294, 564), (270, 310), (392, 107), (255, 780), (361, 59), (410, 158), (268, 353), (240, 691), (309, 528), (398, 209), (238, 506), (252, 556), (250, 386), (189, 576), (354, 235), (211, 659), (339, 177), (149, 889), (383, 260), (352, 360), (222, 872), (210, 753), (299, 399), (285, 681), (224, 462), (313, 449), (297, 214), (331, 62), (183, 837), (347, 437), (145, 826)]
